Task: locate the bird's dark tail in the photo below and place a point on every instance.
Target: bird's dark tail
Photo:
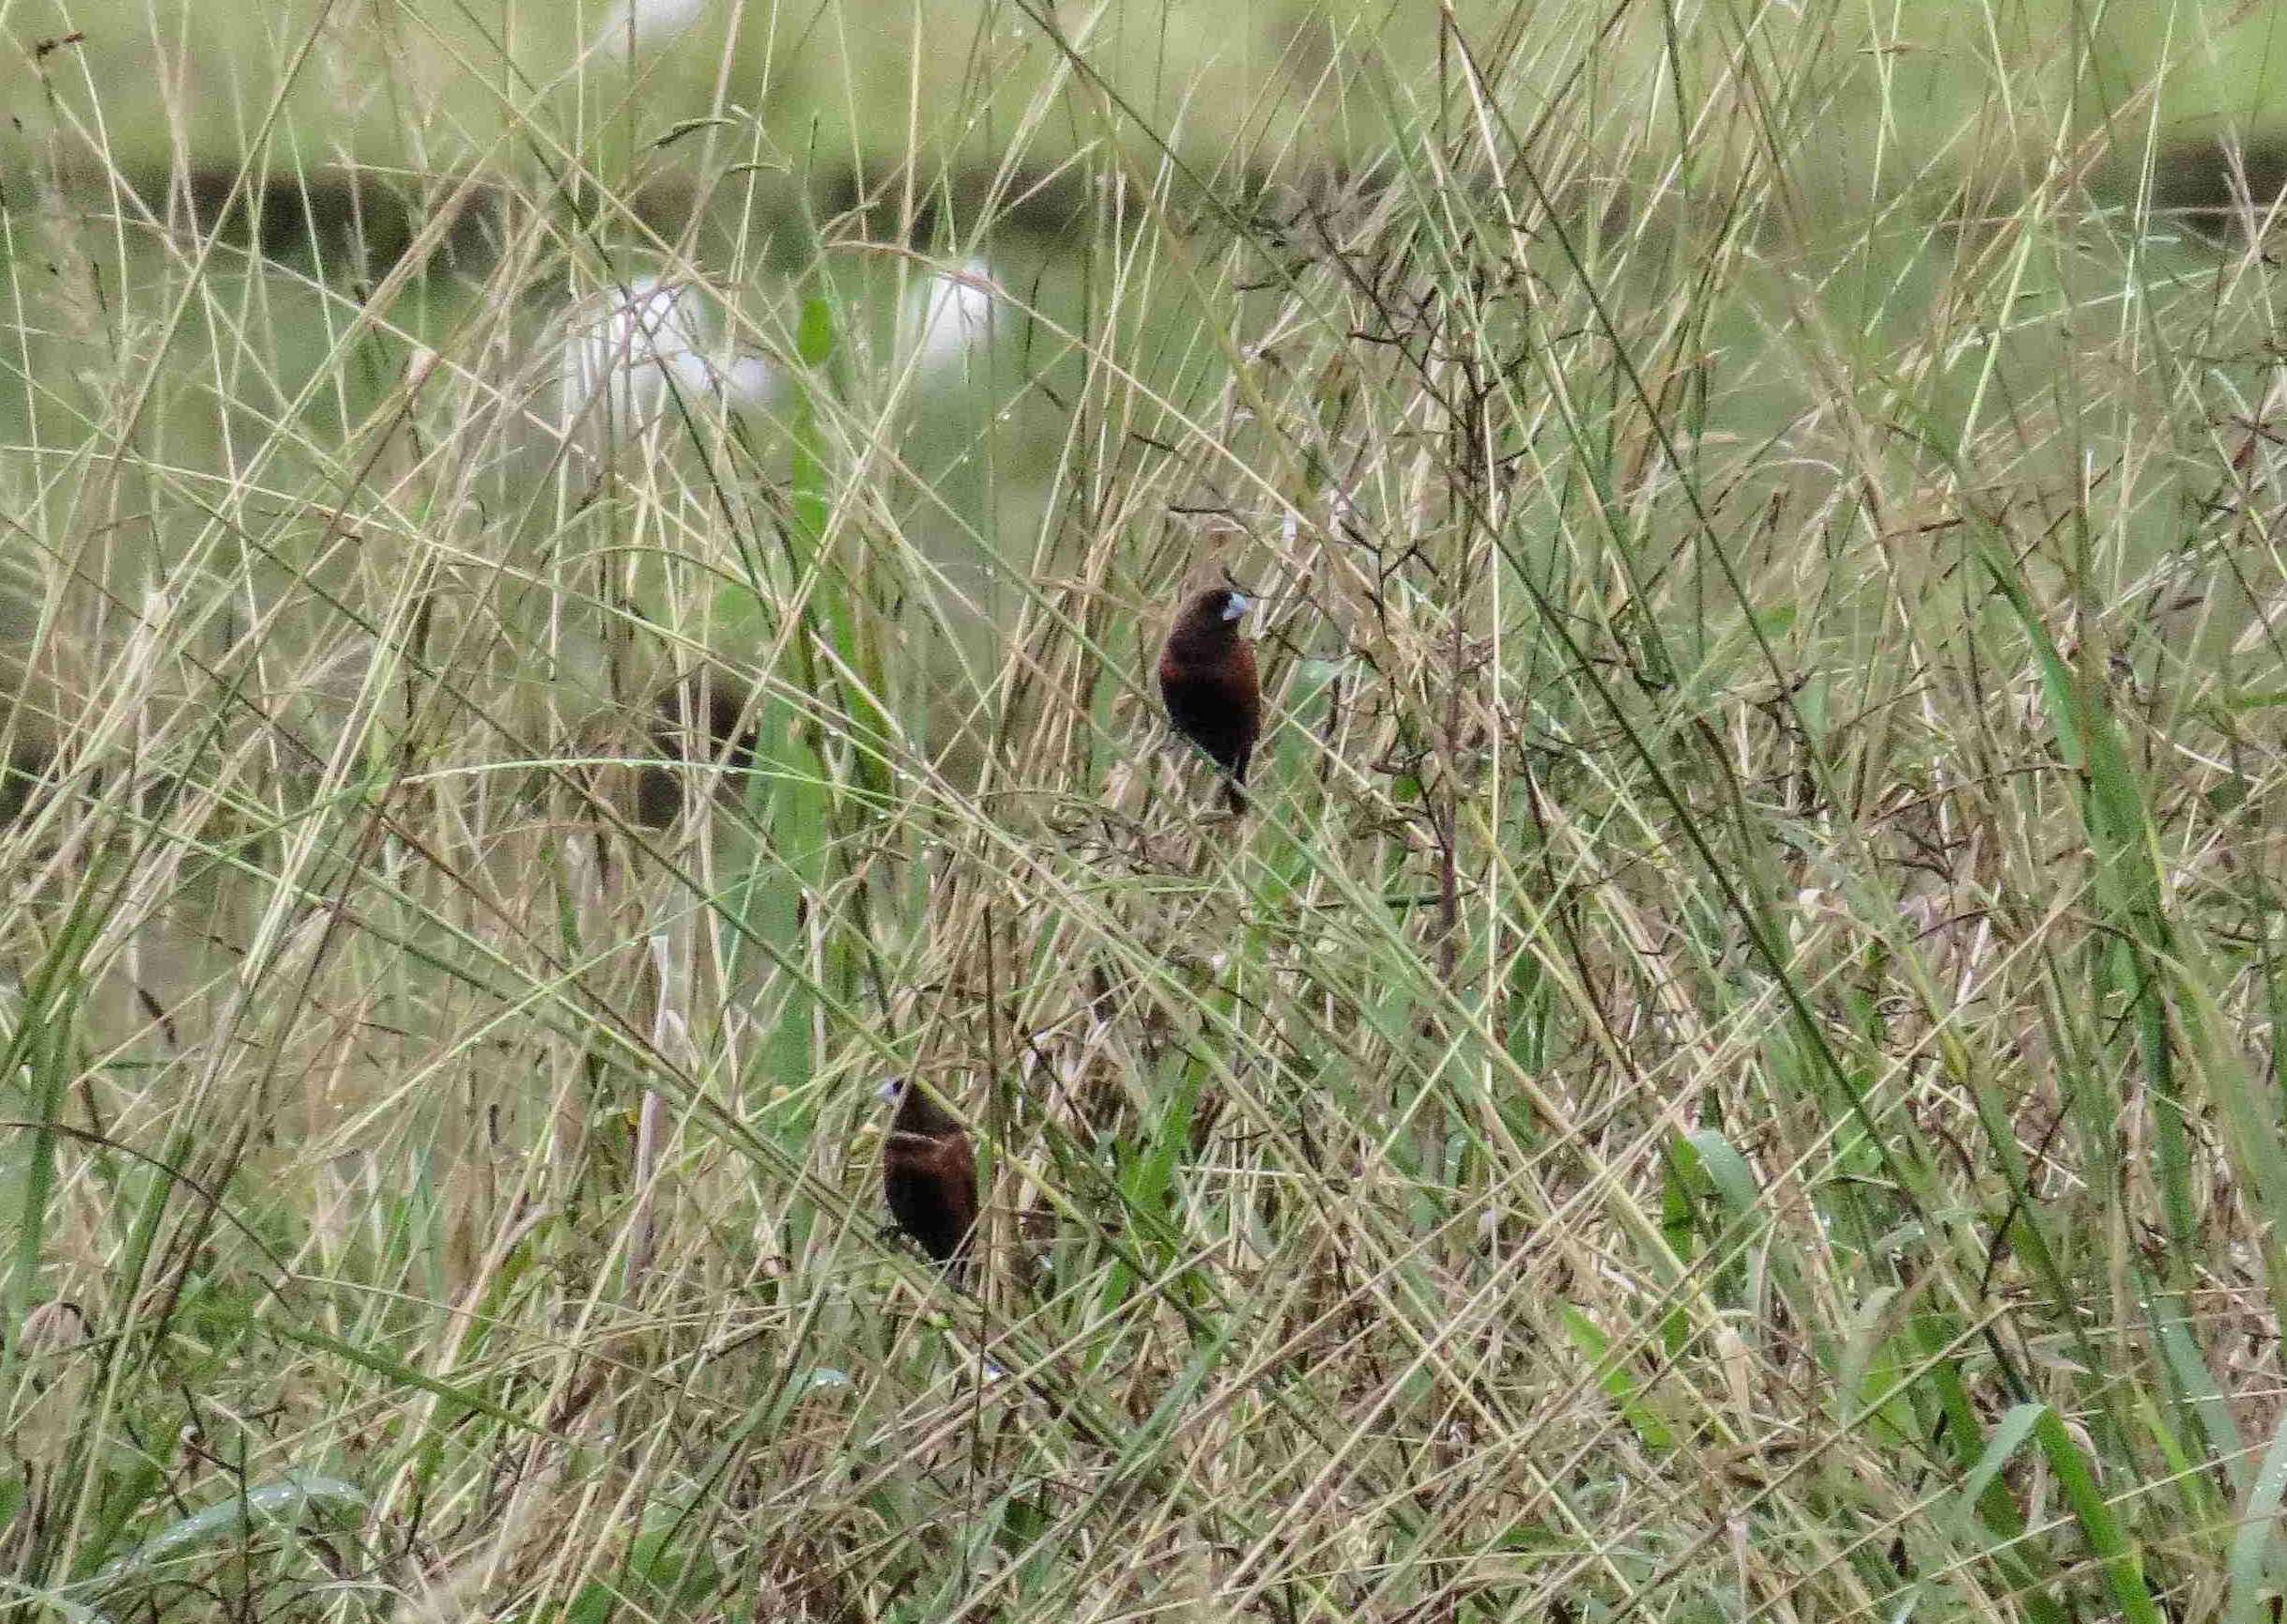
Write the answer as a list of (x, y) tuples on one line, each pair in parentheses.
[(1235, 794)]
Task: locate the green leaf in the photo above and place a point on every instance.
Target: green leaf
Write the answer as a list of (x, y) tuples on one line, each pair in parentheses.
[(2009, 1438), (1733, 1178), (398, 1370), (594, 1604), (2245, 1600), (1613, 1379), (814, 335), (55, 1602), (2123, 1569), (284, 1501)]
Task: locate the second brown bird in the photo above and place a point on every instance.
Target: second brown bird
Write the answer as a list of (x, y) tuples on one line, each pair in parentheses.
[(928, 1174), (1207, 678)]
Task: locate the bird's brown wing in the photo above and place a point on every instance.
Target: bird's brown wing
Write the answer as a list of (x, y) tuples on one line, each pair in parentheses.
[(930, 1183), (1217, 704), (1247, 691)]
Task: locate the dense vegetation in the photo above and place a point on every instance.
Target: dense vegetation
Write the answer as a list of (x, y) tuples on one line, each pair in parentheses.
[(570, 614)]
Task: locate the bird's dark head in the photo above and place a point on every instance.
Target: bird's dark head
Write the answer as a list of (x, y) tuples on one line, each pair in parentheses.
[(1215, 612), (914, 1111)]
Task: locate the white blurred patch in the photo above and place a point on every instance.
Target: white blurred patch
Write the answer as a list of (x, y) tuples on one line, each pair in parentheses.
[(647, 25), (956, 314), (622, 349)]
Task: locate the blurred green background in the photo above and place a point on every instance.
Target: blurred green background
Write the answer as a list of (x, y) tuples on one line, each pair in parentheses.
[(736, 140), (835, 86)]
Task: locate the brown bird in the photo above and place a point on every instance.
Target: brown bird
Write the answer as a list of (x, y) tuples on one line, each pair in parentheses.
[(701, 717), (1207, 678), (928, 1173)]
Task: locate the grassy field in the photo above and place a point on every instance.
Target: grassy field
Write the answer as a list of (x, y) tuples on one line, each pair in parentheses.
[(1734, 1073)]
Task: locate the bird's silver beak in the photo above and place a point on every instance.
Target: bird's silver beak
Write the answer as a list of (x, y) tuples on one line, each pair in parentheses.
[(1238, 605), (887, 1093)]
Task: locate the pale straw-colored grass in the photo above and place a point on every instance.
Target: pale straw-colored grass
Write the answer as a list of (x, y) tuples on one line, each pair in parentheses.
[(1731, 1075)]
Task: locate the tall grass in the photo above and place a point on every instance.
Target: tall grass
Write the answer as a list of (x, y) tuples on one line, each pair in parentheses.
[(1732, 1075)]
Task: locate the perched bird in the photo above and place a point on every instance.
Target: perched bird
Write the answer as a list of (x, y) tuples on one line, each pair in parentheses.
[(702, 717), (1206, 676), (928, 1173)]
